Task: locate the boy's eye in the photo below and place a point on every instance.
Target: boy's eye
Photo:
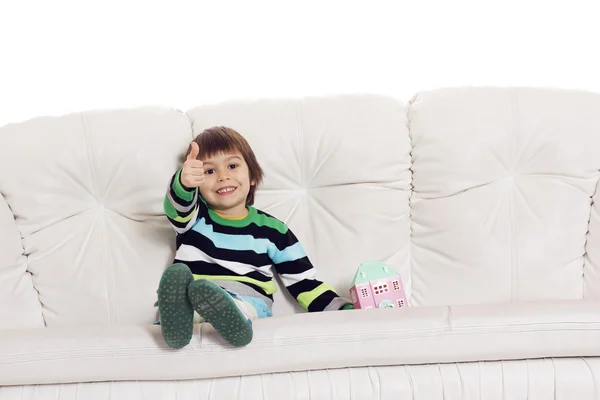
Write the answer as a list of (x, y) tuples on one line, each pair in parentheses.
[(232, 166), (209, 171)]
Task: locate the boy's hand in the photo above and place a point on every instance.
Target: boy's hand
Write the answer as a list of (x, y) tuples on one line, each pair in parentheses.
[(192, 175)]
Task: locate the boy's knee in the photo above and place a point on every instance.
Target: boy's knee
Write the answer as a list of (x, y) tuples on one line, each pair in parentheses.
[(179, 266)]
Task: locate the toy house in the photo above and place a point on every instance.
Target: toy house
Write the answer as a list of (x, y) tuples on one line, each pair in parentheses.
[(377, 286)]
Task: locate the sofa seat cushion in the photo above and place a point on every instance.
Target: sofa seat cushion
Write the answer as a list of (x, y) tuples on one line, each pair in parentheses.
[(418, 335)]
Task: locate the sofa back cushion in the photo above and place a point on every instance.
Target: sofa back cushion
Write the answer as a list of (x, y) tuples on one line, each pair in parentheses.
[(503, 184), (84, 193)]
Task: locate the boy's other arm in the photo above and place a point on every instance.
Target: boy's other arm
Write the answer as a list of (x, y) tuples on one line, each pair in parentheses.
[(299, 277)]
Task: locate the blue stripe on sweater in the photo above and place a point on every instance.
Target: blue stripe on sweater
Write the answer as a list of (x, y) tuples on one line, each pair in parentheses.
[(249, 242), (290, 253)]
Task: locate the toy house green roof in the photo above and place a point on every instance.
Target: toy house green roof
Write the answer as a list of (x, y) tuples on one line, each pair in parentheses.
[(372, 270)]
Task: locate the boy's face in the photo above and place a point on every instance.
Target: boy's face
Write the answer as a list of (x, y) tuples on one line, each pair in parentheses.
[(227, 183)]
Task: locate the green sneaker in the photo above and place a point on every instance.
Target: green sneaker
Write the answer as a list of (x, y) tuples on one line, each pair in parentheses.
[(174, 307), (218, 308)]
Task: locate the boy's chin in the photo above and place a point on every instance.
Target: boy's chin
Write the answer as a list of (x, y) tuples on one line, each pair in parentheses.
[(224, 207)]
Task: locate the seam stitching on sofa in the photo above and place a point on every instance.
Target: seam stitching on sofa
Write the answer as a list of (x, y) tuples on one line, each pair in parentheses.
[(29, 274), (514, 245), (410, 198), (191, 125), (591, 373), (304, 172), (108, 276), (585, 245)]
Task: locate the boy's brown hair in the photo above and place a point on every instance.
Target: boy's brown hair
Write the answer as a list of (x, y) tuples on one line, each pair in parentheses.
[(221, 139)]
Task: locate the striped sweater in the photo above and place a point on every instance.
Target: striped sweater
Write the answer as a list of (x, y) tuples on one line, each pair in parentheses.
[(244, 251)]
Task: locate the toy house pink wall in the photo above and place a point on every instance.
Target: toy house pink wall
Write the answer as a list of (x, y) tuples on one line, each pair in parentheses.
[(381, 293), (361, 296)]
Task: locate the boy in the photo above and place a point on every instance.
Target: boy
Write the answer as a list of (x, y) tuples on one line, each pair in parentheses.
[(226, 249)]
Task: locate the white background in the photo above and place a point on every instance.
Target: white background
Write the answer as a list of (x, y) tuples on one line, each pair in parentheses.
[(58, 57)]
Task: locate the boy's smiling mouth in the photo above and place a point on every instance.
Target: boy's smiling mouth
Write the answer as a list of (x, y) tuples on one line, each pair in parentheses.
[(227, 190)]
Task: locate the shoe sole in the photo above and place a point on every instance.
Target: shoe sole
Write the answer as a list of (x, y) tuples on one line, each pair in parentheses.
[(218, 308), (176, 311)]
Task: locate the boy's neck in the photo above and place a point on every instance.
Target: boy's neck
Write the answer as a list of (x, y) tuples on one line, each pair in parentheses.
[(233, 214)]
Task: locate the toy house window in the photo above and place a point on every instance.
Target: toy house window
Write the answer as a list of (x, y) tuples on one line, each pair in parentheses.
[(396, 285), (380, 289), (364, 292), (400, 303)]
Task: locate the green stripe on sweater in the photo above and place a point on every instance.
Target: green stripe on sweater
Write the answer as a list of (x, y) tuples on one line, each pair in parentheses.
[(308, 297), (253, 216), (180, 191), (269, 287)]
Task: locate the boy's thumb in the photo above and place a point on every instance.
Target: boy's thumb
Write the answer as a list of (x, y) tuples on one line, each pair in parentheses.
[(194, 152)]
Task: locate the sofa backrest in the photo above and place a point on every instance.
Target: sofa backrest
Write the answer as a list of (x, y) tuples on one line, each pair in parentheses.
[(474, 195)]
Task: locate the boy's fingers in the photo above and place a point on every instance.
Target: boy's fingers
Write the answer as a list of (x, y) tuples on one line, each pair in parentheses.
[(195, 182), (195, 173), (194, 164)]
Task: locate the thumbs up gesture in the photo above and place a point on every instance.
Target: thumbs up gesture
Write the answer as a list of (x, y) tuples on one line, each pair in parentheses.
[(192, 175)]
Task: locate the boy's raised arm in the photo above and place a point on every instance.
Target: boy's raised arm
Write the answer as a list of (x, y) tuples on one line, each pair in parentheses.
[(181, 201)]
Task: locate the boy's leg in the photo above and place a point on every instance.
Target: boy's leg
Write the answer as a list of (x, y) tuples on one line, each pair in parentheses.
[(255, 305), (230, 319), (176, 311)]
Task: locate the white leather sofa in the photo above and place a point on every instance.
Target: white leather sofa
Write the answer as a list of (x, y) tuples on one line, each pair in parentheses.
[(482, 198)]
